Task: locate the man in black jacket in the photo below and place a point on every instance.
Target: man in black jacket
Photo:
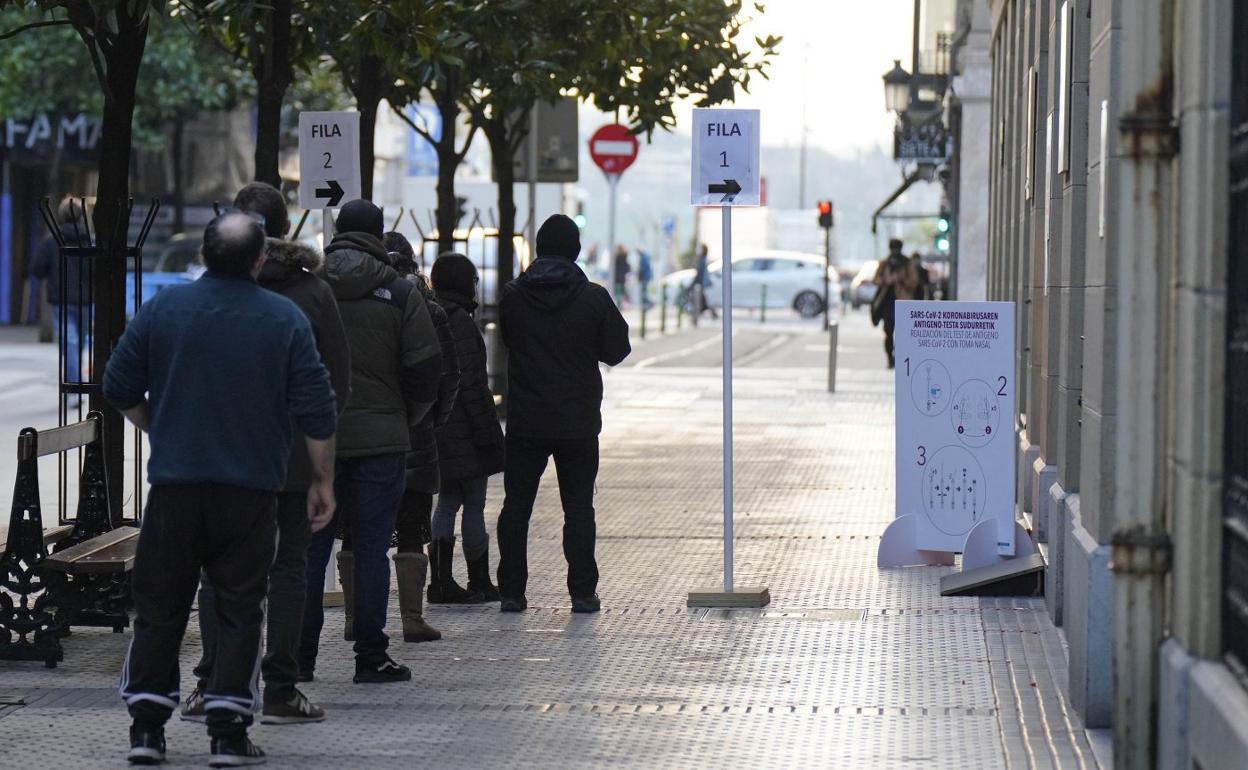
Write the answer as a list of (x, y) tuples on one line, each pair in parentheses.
[(395, 370), (557, 327), (289, 269)]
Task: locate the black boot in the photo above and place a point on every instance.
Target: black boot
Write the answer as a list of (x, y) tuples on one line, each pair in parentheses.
[(479, 577), (442, 586)]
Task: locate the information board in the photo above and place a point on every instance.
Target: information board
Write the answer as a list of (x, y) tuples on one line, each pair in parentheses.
[(955, 420), (329, 159), (725, 158)]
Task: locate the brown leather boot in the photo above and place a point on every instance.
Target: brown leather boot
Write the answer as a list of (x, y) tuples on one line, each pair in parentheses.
[(346, 578), (410, 567)]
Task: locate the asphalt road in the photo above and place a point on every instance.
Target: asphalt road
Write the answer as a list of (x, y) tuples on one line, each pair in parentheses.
[(784, 341)]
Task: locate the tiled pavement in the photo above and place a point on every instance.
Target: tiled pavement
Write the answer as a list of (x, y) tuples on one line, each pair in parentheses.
[(850, 667)]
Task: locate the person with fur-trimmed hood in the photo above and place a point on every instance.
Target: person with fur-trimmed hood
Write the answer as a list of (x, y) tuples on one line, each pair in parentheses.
[(290, 270)]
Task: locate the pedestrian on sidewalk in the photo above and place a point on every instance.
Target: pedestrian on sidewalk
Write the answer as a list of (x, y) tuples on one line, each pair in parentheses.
[(395, 371), (896, 278), (413, 529), (290, 270), (621, 270), (645, 274), (557, 327), (470, 445), (69, 297), (214, 371), (701, 284)]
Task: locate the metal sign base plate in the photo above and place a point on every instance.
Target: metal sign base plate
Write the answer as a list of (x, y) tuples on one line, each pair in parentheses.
[(739, 598)]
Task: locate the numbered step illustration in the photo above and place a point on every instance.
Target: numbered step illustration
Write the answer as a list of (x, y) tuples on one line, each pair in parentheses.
[(976, 412), (953, 489), (929, 387)]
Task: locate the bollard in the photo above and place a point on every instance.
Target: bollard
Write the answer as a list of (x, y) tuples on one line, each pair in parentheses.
[(680, 315), (643, 316), (833, 328), (762, 318), (663, 310)]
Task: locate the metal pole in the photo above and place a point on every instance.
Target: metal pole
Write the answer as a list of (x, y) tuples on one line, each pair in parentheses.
[(827, 267), (532, 227), (612, 180), (762, 316), (833, 335), (663, 310), (726, 305), (327, 228)]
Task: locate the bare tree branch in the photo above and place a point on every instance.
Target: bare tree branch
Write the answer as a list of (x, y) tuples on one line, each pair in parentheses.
[(34, 25)]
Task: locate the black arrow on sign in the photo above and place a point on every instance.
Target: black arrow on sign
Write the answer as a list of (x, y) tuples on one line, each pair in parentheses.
[(729, 188), (334, 193)]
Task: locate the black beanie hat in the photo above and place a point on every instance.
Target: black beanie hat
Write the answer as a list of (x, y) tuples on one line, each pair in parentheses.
[(361, 216), (455, 273), (559, 237)]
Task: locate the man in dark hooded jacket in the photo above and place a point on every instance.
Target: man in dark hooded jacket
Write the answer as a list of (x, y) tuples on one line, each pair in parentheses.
[(395, 370), (289, 269), (557, 327)]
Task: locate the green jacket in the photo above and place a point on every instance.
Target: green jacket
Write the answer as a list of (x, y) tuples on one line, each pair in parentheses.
[(396, 362)]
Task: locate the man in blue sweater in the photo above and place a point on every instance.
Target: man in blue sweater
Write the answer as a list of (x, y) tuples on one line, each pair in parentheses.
[(214, 371)]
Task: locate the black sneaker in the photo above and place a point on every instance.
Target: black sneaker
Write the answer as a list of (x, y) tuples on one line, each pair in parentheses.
[(147, 745), (587, 604), (295, 711), (193, 708), (506, 604), (380, 671), (235, 752)]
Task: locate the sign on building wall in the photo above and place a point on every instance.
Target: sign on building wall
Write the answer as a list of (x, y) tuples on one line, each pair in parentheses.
[(955, 420), (927, 140)]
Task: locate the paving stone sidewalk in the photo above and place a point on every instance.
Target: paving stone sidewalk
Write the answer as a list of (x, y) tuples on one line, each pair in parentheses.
[(849, 667)]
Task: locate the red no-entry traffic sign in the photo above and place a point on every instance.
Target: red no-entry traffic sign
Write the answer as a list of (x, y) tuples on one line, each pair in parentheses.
[(613, 148)]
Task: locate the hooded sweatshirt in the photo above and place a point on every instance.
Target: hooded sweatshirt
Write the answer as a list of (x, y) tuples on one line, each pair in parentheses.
[(558, 327), (395, 360), (290, 270)]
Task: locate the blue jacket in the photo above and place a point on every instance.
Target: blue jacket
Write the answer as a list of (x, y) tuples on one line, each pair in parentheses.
[(225, 365)]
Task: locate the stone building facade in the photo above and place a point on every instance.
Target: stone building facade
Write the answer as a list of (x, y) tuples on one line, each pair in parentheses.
[(1118, 226)]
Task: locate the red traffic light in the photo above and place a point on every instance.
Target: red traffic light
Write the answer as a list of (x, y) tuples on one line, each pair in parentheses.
[(825, 214)]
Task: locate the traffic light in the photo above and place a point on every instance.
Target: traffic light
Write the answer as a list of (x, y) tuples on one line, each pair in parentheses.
[(825, 214), (580, 219), (944, 229)]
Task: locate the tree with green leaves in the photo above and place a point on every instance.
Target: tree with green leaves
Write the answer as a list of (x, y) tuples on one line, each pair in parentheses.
[(442, 72), (637, 58), (275, 40), (370, 41), (115, 35)]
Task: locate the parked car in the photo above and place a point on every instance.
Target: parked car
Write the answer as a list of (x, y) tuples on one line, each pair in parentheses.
[(862, 290), (782, 279)]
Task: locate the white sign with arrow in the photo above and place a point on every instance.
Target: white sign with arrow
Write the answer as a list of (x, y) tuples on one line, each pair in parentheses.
[(329, 159), (725, 174), (725, 158)]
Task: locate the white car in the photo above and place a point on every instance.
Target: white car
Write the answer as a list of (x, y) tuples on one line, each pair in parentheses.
[(785, 279)]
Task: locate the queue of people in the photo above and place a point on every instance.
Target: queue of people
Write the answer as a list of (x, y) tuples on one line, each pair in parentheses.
[(290, 400)]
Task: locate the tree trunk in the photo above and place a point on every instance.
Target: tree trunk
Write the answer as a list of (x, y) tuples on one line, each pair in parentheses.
[(112, 223), (448, 162), (505, 173), (179, 180), (367, 97), (270, 65)]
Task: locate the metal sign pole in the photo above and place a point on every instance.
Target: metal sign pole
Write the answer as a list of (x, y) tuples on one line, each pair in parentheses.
[(612, 181), (726, 309)]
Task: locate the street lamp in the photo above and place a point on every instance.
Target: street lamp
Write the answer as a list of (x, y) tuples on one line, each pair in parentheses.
[(896, 88)]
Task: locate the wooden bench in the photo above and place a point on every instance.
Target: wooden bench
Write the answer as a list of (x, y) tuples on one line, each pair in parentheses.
[(111, 553), (75, 573)]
